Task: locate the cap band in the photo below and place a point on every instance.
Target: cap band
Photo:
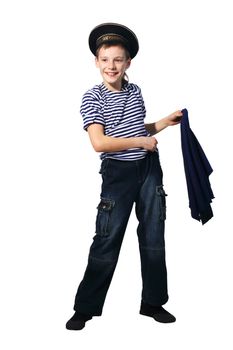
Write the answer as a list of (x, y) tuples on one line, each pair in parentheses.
[(110, 37)]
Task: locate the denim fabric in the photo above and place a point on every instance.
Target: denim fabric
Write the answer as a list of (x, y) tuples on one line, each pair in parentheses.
[(125, 183)]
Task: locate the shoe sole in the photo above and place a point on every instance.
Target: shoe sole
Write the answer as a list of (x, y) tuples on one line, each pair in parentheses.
[(156, 318)]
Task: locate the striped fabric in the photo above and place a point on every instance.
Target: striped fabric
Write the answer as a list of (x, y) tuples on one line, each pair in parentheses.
[(121, 113)]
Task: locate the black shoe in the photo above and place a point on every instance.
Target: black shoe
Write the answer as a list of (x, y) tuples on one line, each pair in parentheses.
[(77, 321), (157, 312)]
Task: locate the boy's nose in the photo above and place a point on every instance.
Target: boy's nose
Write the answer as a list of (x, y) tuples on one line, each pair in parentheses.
[(111, 65)]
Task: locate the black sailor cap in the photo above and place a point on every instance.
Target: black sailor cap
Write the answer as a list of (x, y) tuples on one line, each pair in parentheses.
[(113, 33)]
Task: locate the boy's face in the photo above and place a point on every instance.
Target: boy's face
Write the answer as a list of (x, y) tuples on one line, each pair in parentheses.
[(112, 63)]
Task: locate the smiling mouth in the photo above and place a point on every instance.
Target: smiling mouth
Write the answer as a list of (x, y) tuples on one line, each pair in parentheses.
[(111, 74)]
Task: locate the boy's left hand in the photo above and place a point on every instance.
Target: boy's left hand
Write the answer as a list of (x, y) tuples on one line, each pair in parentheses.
[(174, 118)]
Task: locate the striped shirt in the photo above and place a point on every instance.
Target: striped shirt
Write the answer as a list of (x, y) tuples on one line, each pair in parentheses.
[(121, 113)]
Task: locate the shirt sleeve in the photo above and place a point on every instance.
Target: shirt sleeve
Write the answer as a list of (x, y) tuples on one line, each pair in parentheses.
[(91, 110), (142, 102), (137, 91)]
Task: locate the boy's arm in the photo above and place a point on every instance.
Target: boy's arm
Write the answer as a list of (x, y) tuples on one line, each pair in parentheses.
[(170, 120), (103, 143)]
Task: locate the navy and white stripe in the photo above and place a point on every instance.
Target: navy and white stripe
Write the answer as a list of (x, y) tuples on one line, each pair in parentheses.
[(121, 113)]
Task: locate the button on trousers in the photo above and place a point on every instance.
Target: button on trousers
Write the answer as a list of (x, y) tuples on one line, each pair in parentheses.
[(125, 183)]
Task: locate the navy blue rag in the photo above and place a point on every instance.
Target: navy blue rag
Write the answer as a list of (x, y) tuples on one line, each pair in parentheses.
[(197, 171)]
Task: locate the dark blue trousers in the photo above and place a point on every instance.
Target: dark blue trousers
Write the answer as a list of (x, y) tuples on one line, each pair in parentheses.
[(126, 183)]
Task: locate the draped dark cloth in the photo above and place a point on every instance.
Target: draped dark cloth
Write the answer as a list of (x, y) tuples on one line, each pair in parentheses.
[(197, 171)]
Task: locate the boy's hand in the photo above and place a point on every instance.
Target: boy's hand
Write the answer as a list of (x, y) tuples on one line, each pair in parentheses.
[(149, 143), (174, 118)]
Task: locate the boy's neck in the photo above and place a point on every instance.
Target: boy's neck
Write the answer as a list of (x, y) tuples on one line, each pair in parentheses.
[(113, 88)]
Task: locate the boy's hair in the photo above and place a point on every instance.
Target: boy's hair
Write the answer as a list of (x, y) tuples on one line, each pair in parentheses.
[(113, 43)]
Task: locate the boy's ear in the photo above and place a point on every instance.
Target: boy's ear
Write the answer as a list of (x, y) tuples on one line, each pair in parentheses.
[(96, 62), (128, 63)]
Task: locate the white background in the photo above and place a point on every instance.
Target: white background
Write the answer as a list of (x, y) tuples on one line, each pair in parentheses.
[(50, 181)]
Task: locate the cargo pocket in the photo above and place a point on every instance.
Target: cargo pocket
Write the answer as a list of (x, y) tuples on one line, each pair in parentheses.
[(161, 203), (103, 216)]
